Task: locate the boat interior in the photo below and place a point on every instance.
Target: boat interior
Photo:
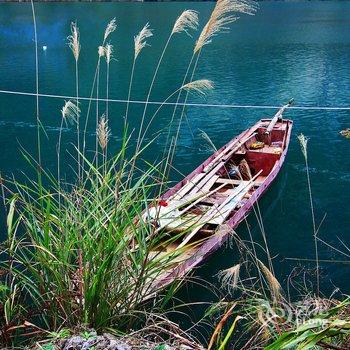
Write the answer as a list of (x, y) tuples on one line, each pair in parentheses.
[(213, 193)]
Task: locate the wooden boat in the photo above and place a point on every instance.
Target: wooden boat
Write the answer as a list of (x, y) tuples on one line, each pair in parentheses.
[(204, 208)]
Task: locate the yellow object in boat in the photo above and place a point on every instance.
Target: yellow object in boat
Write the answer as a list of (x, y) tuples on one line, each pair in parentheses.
[(257, 145)]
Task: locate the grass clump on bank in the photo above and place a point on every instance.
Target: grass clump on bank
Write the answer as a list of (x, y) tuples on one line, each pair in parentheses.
[(80, 255)]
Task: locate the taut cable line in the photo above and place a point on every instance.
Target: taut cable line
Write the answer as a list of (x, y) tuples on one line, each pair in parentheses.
[(218, 105)]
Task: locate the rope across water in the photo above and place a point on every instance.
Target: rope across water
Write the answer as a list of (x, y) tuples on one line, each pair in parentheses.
[(331, 108)]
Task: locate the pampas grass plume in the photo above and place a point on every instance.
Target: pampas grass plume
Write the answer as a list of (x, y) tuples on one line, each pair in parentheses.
[(111, 27), (224, 13), (187, 20), (140, 39), (200, 86), (74, 40), (70, 112), (108, 52), (103, 132)]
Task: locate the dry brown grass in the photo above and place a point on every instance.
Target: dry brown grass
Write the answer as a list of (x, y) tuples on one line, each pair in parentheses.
[(274, 285), (103, 132)]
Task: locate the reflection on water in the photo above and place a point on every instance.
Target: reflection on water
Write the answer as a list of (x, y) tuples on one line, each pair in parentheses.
[(298, 50)]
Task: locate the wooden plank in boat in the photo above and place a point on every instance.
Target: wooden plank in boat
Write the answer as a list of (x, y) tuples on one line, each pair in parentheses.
[(215, 210), (230, 181), (206, 187), (208, 176), (207, 232), (257, 182), (203, 220), (226, 209), (181, 213), (233, 200), (260, 179), (200, 197), (187, 187)]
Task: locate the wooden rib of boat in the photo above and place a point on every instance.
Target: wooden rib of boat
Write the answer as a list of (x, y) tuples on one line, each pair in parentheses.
[(204, 208)]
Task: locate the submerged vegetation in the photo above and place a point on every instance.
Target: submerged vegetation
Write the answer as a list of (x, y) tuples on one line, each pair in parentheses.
[(78, 256)]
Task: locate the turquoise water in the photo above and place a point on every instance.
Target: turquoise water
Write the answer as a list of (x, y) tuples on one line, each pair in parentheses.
[(299, 50)]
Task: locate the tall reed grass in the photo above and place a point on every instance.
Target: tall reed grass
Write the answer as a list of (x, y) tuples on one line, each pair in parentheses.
[(224, 13), (80, 251), (73, 261), (303, 144), (74, 45)]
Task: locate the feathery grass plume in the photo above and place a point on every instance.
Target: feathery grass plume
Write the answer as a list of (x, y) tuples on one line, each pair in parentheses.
[(140, 43), (140, 39), (229, 278), (303, 144), (73, 40), (208, 139), (103, 132), (223, 14), (74, 44), (186, 21), (200, 86), (101, 51), (275, 286), (111, 27), (70, 112), (108, 52), (218, 21)]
